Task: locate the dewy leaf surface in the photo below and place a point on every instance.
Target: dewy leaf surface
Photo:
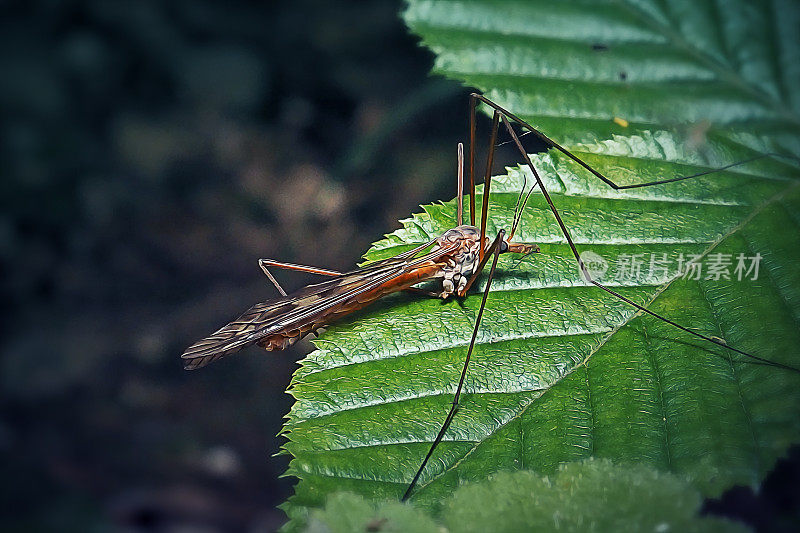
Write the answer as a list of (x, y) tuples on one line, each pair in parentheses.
[(562, 371)]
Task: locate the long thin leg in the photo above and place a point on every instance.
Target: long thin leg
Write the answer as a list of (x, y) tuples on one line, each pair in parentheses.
[(493, 250), (487, 180), (588, 277), (550, 142), (264, 263)]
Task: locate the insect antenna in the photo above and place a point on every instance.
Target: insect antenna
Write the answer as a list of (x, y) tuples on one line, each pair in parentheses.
[(518, 213), (522, 199), (589, 278)]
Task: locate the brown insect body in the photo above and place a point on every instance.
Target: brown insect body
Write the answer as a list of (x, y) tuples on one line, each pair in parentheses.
[(280, 322), (459, 265)]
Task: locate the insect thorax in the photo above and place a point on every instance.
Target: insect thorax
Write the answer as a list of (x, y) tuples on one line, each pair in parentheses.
[(459, 264)]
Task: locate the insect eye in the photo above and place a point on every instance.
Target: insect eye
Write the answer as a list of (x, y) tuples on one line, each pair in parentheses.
[(503, 247)]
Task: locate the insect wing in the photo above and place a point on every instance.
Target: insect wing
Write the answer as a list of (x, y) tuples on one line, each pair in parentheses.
[(309, 306)]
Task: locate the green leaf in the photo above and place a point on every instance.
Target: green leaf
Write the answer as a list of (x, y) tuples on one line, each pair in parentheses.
[(563, 371), (589, 495), (570, 67)]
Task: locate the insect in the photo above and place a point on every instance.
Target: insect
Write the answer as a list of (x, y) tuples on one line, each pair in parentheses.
[(457, 257)]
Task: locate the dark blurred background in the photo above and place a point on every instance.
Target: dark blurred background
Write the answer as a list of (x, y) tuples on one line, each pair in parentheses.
[(151, 152)]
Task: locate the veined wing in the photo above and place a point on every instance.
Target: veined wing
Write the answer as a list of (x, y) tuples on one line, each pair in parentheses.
[(290, 317)]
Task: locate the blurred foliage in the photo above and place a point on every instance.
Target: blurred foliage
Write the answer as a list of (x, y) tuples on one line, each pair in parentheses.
[(592, 495), (151, 152)]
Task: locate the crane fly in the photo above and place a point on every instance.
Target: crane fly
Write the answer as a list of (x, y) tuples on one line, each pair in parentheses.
[(457, 258)]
